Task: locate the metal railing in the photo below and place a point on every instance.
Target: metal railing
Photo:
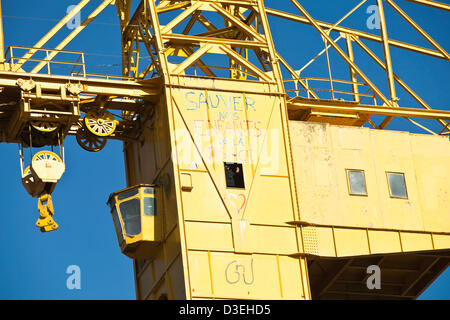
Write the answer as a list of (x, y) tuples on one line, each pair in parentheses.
[(102, 76), (358, 92), (18, 61)]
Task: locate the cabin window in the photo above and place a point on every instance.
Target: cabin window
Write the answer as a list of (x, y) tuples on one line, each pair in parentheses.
[(127, 194), (397, 185), (130, 211), (149, 206), (116, 221), (356, 182)]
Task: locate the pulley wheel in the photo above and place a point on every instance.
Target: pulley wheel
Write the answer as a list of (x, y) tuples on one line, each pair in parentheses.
[(46, 155), (44, 126), (100, 122), (90, 142)]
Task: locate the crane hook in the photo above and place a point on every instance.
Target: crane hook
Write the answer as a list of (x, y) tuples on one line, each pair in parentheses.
[(46, 211)]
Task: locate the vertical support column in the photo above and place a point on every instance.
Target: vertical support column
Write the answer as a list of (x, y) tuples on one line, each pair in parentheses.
[(123, 12), (352, 71), (272, 55), (158, 40), (387, 54), (287, 145)]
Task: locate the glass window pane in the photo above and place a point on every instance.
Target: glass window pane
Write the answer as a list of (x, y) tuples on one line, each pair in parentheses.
[(357, 182), (397, 185), (117, 222), (127, 194), (150, 207), (131, 217), (149, 191)]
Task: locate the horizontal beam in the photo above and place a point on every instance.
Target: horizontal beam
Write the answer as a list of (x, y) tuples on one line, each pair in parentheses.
[(370, 294), (389, 269), (399, 239), (356, 282), (434, 4), (91, 86), (194, 40), (333, 107), (361, 34)]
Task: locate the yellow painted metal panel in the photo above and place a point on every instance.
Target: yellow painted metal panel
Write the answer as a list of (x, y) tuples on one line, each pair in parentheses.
[(201, 199), (416, 241), (330, 241), (267, 280), (325, 242), (188, 155), (199, 274), (289, 268), (274, 211), (396, 156), (275, 240), (441, 241), (213, 126), (351, 242), (273, 158), (232, 275), (230, 127), (347, 139), (322, 173), (433, 180), (209, 236), (226, 85), (247, 276), (384, 241), (323, 152)]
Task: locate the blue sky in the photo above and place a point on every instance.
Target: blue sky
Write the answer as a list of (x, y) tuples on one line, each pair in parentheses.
[(33, 265)]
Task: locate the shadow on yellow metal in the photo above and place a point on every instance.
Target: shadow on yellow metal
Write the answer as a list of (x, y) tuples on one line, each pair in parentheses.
[(403, 276)]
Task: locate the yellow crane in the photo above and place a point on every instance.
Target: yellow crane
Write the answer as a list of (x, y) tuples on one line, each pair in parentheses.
[(243, 183)]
